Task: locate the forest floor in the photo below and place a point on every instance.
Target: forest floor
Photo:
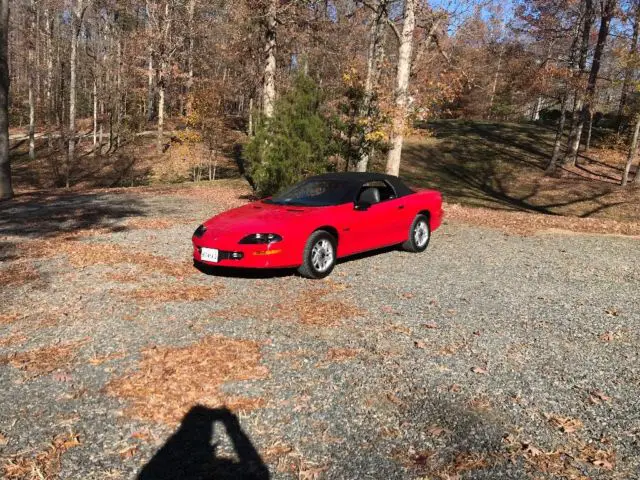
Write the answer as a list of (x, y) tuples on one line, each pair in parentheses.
[(474, 163), (503, 352), (501, 166)]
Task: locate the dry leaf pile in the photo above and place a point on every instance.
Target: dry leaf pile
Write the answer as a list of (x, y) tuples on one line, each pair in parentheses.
[(82, 255), (44, 465), (175, 293), (18, 273), (171, 380), (44, 360), (310, 307)]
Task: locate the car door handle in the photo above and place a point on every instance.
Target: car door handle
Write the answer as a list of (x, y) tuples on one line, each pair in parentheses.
[(400, 207)]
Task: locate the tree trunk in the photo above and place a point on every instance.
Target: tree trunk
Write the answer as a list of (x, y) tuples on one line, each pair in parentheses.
[(6, 190), (95, 115), (587, 143), (494, 85), (631, 156), (30, 74), (250, 126), (160, 127), (551, 168), (150, 76), (162, 78), (119, 95), (605, 21), (374, 62), (402, 86), (574, 135), (629, 68), (76, 25), (189, 86), (269, 85), (49, 78)]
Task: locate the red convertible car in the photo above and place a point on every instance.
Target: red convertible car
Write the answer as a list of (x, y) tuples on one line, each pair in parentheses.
[(319, 220)]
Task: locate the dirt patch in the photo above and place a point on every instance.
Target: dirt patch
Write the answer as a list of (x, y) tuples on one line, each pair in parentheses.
[(82, 255), (520, 223), (171, 380), (44, 360), (175, 293), (44, 465)]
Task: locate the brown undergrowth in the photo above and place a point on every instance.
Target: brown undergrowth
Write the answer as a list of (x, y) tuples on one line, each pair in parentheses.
[(43, 465), (169, 380), (82, 255)]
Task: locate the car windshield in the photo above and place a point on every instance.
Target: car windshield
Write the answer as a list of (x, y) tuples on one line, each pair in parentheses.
[(313, 193)]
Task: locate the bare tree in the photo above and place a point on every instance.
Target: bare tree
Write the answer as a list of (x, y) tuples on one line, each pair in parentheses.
[(6, 190), (608, 10), (631, 155), (375, 56), (402, 88), (31, 79), (269, 82), (77, 16)]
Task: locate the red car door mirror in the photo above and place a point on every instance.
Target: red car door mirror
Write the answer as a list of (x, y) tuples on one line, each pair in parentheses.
[(361, 206)]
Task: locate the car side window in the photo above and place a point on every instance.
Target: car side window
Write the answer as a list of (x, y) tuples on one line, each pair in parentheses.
[(386, 191)]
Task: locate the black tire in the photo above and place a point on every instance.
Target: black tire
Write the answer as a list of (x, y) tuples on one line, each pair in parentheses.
[(412, 244), (322, 240)]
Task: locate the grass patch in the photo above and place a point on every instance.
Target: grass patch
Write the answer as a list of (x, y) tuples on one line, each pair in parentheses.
[(169, 381)]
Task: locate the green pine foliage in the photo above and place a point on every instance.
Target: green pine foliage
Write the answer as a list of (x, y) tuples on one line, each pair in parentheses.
[(293, 144)]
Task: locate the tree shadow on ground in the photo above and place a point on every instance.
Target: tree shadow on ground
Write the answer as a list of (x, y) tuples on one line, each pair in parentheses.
[(189, 454), (46, 214), (501, 166)]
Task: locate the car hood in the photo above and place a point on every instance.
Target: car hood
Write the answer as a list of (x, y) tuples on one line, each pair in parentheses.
[(256, 217)]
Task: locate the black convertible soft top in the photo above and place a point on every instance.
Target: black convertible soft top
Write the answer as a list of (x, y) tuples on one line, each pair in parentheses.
[(357, 179)]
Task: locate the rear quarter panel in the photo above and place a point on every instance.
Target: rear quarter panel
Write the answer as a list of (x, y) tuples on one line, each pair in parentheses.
[(423, 201)]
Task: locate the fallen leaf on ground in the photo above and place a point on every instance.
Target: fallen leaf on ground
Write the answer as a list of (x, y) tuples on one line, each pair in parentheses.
[(480, 370), (430, 325), (420, 344)]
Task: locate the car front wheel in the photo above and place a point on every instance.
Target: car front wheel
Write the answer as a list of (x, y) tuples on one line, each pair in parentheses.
[(319, 256), (419, 234)]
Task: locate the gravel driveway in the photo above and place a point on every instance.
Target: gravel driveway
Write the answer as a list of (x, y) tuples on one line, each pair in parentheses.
[(488, 356)]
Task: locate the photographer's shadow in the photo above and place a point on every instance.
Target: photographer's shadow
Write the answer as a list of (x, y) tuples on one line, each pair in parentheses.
[(189, 454)]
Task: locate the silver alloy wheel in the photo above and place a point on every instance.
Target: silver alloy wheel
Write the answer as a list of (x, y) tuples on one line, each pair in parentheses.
[(421, 233), (322, 255)]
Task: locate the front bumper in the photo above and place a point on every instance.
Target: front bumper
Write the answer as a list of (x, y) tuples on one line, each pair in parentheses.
[(245, 256)]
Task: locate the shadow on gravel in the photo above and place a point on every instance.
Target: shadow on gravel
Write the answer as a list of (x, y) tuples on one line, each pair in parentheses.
[(45, 214), (249, 273), (189, 454)]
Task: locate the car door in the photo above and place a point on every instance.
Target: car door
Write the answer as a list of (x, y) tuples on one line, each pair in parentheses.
[(380, 224)]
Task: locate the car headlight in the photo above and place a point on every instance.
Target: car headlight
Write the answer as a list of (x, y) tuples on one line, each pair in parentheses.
[(200, 231), (255, 238)]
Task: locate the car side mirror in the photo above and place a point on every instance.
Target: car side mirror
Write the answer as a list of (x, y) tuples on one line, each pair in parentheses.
[(361, 206)]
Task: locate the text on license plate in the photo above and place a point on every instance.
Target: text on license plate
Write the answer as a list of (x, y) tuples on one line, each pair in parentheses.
[(209, 254)]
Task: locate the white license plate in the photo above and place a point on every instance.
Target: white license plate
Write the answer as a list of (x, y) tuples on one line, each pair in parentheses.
[(209, 254)]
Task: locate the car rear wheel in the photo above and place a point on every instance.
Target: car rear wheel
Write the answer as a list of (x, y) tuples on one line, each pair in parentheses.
[(319, 256), (419, 235)]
